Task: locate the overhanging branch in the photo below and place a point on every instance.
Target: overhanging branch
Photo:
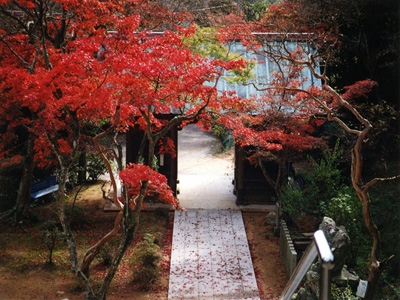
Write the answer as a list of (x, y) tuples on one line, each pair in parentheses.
[(375, 181)]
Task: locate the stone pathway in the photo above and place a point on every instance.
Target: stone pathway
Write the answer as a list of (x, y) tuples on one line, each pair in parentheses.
[(210, 257)]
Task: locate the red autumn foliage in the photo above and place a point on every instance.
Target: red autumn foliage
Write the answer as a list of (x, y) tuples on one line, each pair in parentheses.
[(167, 146), (88, 68), (360, 89), (134, 176)]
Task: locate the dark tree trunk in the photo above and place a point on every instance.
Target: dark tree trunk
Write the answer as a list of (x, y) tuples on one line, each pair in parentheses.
[(21, 209), (68, 234), (82, 168), (277, 184), (130, 223)]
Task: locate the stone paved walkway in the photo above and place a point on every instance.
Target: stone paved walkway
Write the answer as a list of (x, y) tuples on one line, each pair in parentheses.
[(210, 257)]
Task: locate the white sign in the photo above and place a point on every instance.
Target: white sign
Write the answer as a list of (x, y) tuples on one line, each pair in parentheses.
[(362, 288)]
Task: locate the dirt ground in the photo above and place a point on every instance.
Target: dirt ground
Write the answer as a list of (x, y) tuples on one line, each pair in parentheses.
[(264, 248), (25, 276)]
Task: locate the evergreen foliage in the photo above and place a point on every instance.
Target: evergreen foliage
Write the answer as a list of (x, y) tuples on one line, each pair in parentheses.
[(342, 294), (52, 236), (146, 265), (322, 182)]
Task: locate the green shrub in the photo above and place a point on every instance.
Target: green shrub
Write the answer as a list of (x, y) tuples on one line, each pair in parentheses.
[(146, 277), (146, 265), (51, 237), (346, 210), (292, 200), (254, 10), (105, 255), (342, 294), (224, 136), (93, 168), (322, 182)]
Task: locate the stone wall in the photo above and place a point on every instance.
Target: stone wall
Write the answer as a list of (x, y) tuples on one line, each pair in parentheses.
[(287, 251)]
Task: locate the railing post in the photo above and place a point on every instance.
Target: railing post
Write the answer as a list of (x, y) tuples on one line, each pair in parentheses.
[(320, 247), (327, 263)]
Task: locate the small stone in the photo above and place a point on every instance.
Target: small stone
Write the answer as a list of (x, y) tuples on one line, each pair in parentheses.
[(271, 215), (346, 278), (312, 278), (271, 219), (339, 242)]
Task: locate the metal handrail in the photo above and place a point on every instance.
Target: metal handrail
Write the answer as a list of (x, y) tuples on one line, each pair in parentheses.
[(320, 247)]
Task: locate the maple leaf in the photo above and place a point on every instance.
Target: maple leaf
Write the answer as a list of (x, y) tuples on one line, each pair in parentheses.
[(359, 89), (134, 176), (167, 146)]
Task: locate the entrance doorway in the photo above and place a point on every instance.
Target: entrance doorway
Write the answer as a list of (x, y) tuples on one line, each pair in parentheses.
[(205, 172)]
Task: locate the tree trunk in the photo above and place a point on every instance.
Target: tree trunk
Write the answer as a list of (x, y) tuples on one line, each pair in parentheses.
[(82, 167), (21, 209), (362, 191), (94, 250), (375, 268), (130, 223), (277, 184), (65, 222), (374, 273), (130, 218), (69, 236)]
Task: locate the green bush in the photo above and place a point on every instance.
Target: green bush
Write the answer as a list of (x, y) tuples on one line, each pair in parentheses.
[(254, 10), (52, 236), (224, 136), (146, 265), (346, 210), (93, 168), (105, 255), (293, 200), (342, 294), (322, 182)]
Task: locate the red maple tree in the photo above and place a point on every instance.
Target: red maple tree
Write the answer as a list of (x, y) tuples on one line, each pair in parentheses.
[(274, 135), (277, 123), (72, 66)]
